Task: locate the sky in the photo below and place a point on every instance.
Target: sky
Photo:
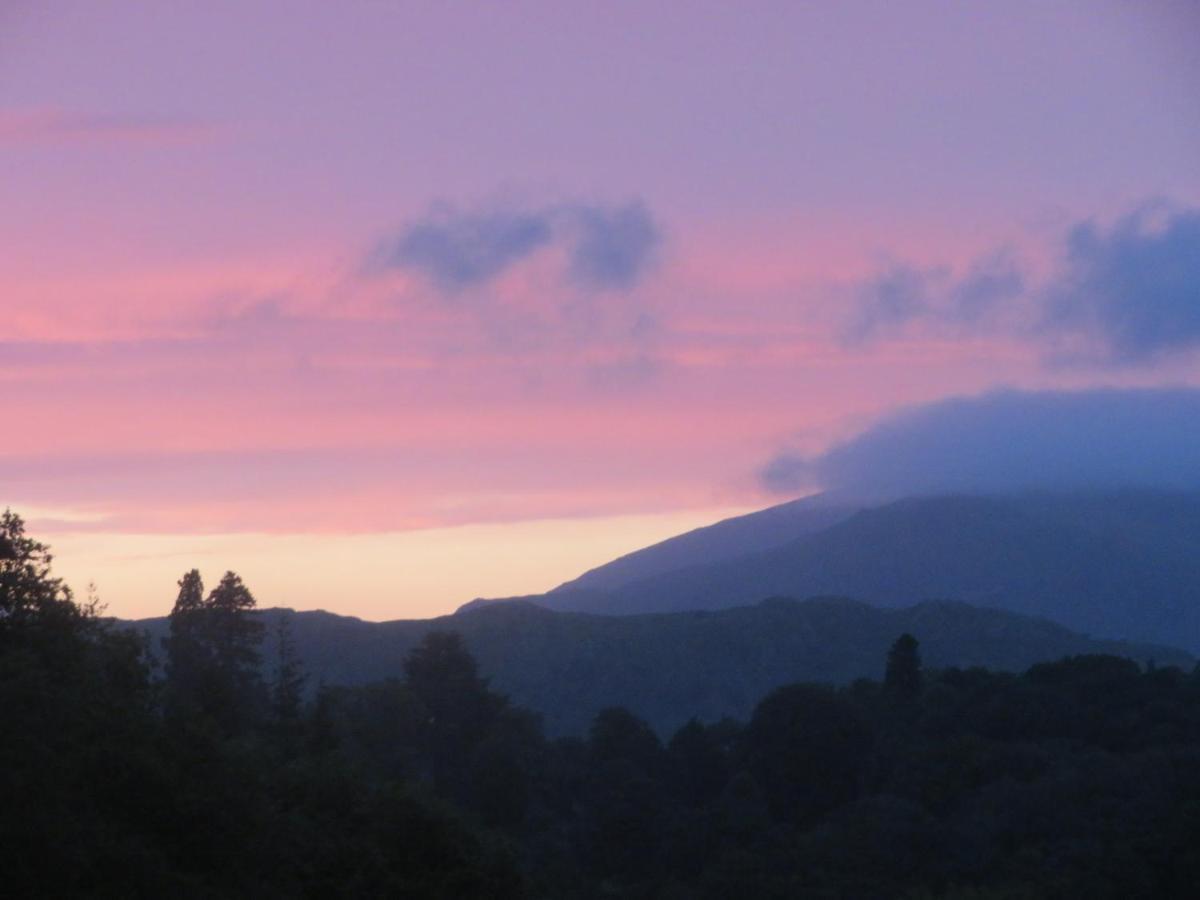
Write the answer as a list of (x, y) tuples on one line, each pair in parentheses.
[(388, 306)]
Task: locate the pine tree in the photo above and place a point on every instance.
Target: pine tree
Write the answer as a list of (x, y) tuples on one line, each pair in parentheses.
[(213, 654), (288, 688), (457, 707), (234, 635), (188, 654), (237, 692)]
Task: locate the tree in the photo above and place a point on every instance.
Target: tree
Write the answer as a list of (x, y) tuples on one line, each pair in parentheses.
[(188, 656), (213, 653), (440, 667), (903, 675), (458, 709), (698, 763), (442, 675), (76, 703), (29, 595), (287, 690), (235, 636), (624, 796), (617, 734), (808, 746)]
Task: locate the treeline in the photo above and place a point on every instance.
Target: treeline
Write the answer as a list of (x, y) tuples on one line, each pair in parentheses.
[(215, 777)]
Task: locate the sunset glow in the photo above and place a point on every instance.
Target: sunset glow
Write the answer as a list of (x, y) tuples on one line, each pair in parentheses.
[(387, 306)]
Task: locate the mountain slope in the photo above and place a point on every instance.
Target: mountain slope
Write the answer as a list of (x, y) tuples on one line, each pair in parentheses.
[(667, 668), (725, 540), (1123, 564)]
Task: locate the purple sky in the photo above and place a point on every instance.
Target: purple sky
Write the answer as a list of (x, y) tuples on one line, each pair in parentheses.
[(417, 281)]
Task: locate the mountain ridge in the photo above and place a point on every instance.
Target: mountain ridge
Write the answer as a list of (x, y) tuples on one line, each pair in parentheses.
[(724, 540), (1118, 564), (667, 667)]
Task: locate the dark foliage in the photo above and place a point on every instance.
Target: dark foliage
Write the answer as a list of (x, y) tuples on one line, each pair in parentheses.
[(668, 668), (1078, 778), (903, 674)]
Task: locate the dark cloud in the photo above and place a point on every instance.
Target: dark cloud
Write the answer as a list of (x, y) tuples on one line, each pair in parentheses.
[(1124, 295), (456, 250), (904, 294), (1131, 292), (615, 245), (989, 283), (609, 247), (890, 301), (1012, 440)]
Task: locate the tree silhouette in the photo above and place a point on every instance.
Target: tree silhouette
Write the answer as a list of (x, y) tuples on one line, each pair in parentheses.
[(456, 706), (213, 653), (188, 656), (235, 635), (287, 688), (29, 594), (807, 745), (903, 675)]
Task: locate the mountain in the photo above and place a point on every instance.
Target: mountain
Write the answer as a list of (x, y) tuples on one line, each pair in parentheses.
[(726, 540), (669, 667), (1121, 564)]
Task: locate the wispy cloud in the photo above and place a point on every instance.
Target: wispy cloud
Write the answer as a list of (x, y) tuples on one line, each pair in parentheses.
[(1126, 294), (63, 126)]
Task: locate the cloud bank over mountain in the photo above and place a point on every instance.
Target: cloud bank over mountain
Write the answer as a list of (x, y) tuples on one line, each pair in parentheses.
[(1012, 440)]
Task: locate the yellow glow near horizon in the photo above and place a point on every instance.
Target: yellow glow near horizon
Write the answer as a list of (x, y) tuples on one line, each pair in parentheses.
[(396, 575)]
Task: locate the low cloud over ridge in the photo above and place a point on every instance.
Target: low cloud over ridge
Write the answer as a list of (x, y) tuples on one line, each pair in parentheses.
[(1012, 440)]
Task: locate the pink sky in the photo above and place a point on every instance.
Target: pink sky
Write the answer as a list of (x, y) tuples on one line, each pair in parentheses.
[(223, 335)]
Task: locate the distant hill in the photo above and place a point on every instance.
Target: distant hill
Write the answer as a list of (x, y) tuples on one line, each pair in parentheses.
[(667, 668), (1117, 564)]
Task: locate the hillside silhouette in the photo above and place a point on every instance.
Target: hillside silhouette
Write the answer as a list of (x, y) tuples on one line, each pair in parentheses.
[(668, 668), (192, 763), (1113, 564)]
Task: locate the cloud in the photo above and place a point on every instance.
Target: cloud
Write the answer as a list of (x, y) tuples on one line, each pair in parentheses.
[(608, 247), (904, 294), (1012, 440), (1120, 296), (989, 283), (1131, 291), (615, 245), (458, 250), (890, 301)]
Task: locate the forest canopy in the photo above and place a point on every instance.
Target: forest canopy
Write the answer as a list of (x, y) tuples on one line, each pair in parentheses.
[(217, 774)]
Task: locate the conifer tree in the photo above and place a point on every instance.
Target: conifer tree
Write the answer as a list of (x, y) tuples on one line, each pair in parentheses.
[(234, 635), (188, 655), (288, 687), (903, 675), (213, 653)]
